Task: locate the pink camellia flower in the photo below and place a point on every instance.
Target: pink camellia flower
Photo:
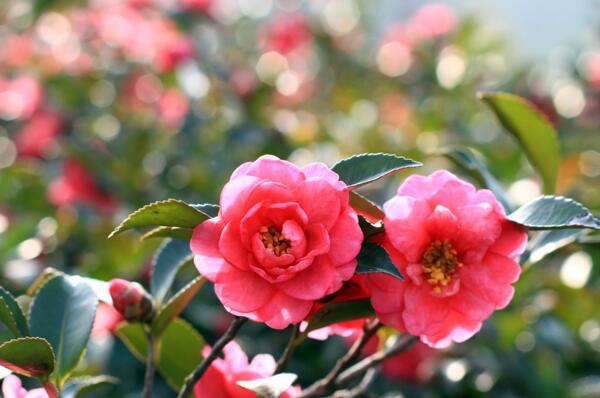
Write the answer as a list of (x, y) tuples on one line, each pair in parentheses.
[(285, 33), (131, 300), (285, 237), (39, 134), (20, 97), (77, 186), (13, 388), (457, 251), (220, 380), (106, 321)]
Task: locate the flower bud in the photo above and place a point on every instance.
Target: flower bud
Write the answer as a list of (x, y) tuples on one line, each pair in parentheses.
[(131, 300)]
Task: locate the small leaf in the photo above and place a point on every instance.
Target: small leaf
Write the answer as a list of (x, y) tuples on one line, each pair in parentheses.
[(374, 258), (368, 167), (469, 163), (269, 387), (547, 242), (554, 212), (28, 356), (369, 229), (63, 312), (170, 213), (178, 352), (340, 312), (207, 208), (169, 232), (176, 305), (365, 207), (90, 387), (6, 317), (531, 128), (165, 266), (15, 311)]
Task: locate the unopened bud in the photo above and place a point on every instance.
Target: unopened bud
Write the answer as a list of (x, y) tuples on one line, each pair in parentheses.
[(131, 300)]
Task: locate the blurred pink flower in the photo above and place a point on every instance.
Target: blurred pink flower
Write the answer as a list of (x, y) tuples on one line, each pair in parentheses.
[(416, 365), (592, 70), (13, 388), (221, 377), (20, 97), (77, 186), (285, 33), (16, 51), (274, 249), (39, 133), (173, 106), (107, 318), (430, 21), (457, 251), (201, 6)]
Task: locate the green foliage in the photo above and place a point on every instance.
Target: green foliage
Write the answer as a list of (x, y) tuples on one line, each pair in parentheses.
[(554, 212), (12, 315), (535, 133), (90, 387), (364, 206), (166, 263), (28, 356), (63, 312), (169, 232), (547, 242), (374, 258), (340, 312), (177, 353), (362, 169), (176, 305)]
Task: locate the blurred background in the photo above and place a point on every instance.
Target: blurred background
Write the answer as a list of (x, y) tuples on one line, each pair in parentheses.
[(106, 105)]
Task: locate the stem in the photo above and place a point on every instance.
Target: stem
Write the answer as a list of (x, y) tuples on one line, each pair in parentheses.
[(192, 379), (320, 387), (361, 388), (289, 349), (50, 389), (149, 378), (401, 345)]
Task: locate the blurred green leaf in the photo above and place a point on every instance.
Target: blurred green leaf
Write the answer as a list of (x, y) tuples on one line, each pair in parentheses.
[(170, 256), (20, 323), (90, 387), (547, 242), (365, 207), (531, 128), (28, 356), (554, 212), (170, 213), (362, 169), (179, 349), (340, 312), (63, 312), (176, 305), (374, 258)]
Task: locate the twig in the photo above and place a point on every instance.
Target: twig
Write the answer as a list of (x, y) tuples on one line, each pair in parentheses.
[(361, 388), (401, 345), (149, 377), (50, 389), (192, 379), (320, 387), (289, 349)]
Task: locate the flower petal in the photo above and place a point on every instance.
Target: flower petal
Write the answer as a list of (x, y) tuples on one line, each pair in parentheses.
[(321, 201), (405, 220), (243, 291), (312, 283), (282, 310), (345, 238)]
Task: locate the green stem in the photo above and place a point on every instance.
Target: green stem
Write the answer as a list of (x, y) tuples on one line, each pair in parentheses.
[(149, 378)]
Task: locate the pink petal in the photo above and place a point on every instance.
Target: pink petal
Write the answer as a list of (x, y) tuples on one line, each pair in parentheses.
[(271, 168), (317, 240), (231, 247), (388, 301), (424, 313), (320, 201), (12, 387), (453, 193), (501, 268), (263, 364), (211, 385), (457, 329), (282, 310), (442, 224), (278, 213), (342, 274), (320, 170), (235, 357), (405, 220), (243, 291), (480, 227), (313, 282), (512, 240), (294, 233), (472, 304), (345, 238), (235, 195), (272, 192)]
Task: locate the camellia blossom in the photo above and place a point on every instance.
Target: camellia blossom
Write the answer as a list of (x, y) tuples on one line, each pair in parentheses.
[(285, 237), (12, 387), (457, 251), (131, 300), (220, 380)]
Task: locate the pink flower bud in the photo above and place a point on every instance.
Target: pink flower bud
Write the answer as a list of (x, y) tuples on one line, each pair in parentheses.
[(131, 300)]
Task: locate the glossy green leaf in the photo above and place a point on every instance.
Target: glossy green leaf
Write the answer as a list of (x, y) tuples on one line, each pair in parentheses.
[(365, 207), (531, 128), (374, 258), (207, 208), (63, 312), (269, 387), (170, 213), (176, 305), (169, 232), (178, 351), (28, 356), (467, 161), (369, 229), (20, 322), (90, 387), (340, 312), (7, 319), (547, 242), (168, 259), (368, 167), (554, 212)]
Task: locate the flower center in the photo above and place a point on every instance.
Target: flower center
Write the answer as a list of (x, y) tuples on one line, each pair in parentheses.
[(440, 264), (273, 239)]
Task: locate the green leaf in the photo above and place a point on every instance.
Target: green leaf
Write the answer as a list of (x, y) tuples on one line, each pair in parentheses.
[(554, 212), (365, 207), (7, 319), (374, 258), (28, 356), (90, 387), (170, 213), (169, 232), (467, 161), (547, 242), (169, 257), (176, 305), (369, 229), (269, 387), (63, 312), (531, 128), (179, 349), (368, 167), (15, 311), (207, 208), (340, 312)]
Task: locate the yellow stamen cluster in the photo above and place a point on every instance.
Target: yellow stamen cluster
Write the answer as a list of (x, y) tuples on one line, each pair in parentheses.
[(440, 264), (274, 240)]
